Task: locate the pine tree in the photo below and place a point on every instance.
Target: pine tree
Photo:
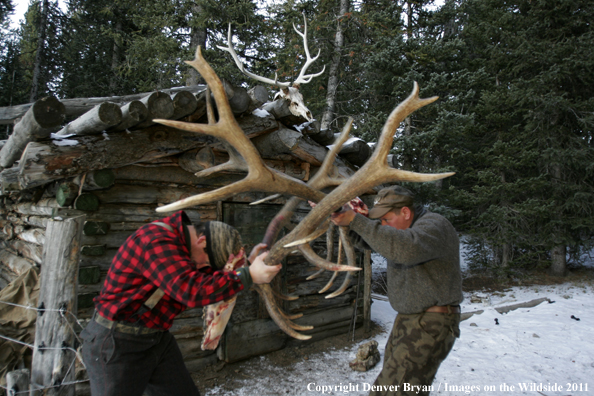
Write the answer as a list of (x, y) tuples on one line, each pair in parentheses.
[(524, 160)]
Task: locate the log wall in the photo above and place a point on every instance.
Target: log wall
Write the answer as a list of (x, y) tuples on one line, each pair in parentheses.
[(128, 204)]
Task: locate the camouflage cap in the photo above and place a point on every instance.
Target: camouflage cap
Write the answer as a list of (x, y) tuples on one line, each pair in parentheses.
[(389, 198)]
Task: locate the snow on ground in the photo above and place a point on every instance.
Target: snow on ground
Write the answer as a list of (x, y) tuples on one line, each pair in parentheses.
[(532, 351)]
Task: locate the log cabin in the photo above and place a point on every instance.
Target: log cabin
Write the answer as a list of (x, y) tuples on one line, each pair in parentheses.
[(105, 159)]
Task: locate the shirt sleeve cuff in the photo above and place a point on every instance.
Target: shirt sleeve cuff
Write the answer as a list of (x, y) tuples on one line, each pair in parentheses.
[(245, 277)]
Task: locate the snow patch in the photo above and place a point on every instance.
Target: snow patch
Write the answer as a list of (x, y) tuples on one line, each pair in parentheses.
[(542, 345), (65, 142), (261, 113)]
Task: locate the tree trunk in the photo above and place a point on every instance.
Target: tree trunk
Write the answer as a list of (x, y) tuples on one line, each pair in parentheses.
[(558, 253), (115, 57), (407, 159), (367, 291), (558, 261), (356, 151), (505, 255), (333, 74), (18, 382), (197, 38), (39, 53), (258, 96)]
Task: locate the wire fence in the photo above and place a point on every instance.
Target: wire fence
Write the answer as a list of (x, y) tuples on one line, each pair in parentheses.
[(63, 313)]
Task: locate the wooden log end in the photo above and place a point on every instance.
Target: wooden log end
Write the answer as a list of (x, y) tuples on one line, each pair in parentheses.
[(160, 106), (86, 201), (49, 112), (101, 178), (89, 275), (96, 228), (66, 194), (137, 111), (110, 113), (93, 250), (184, 103)]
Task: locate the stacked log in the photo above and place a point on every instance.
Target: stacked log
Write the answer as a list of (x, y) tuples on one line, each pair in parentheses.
[(38, 122)]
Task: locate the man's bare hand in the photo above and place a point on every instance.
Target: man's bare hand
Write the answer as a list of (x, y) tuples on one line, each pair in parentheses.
[(262, 273), (256, 252), (344, 217)]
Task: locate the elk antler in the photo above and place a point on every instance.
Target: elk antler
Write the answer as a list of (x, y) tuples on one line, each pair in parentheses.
[(262, 178), (301, 79), (376, 171)]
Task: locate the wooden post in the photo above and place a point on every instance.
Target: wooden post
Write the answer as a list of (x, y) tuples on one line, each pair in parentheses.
[(53, 356), (17, 381), (367, 292)]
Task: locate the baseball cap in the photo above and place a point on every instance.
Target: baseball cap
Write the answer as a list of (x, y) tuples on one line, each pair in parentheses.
[(389, 198)]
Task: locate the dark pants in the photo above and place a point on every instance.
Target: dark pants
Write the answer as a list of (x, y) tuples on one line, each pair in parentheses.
[(128, 365), (415, 349)]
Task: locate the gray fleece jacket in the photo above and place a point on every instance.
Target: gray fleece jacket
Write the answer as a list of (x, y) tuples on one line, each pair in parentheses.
[(423, 260)]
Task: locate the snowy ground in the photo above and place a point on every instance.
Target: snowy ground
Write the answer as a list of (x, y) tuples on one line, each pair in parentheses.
[(532, 351)]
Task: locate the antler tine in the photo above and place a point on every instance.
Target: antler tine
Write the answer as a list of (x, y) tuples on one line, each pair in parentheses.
[(403, 110), (330, 283), (316, 260), (303, 78), (330, 242), (311, 237), (318, 181), (235, 163), (230, 49), (329, 250), (266, 199), (279, 317), (259, 177), (321, 178), (351, 259), (343, 287), (209, 110)]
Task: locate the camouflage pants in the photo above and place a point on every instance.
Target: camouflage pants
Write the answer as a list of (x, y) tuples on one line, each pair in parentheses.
[(417, 346)]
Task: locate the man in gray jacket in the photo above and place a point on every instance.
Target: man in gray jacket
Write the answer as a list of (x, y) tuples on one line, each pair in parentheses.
[(424, 286)]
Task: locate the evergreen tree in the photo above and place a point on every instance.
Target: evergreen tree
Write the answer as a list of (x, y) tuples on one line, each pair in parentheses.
[(43, 47), (128, 46), (525, 174), (6, 8)]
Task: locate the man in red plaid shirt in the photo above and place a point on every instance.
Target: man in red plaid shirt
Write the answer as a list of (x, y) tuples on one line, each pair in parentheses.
[(162, 269)]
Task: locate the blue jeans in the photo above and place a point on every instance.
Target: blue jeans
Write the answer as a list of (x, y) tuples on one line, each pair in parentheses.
[(128, 365)]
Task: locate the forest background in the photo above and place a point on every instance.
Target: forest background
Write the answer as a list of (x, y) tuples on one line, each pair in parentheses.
[(515, 80)]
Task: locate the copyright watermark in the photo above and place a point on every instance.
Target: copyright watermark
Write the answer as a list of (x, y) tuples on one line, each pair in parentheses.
[(468, 389)]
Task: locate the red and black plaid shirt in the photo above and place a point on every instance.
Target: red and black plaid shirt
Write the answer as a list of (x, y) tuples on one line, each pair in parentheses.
[(154, 257)]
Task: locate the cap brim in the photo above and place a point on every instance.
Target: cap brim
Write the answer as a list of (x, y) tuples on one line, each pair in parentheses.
[(378, 212)]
